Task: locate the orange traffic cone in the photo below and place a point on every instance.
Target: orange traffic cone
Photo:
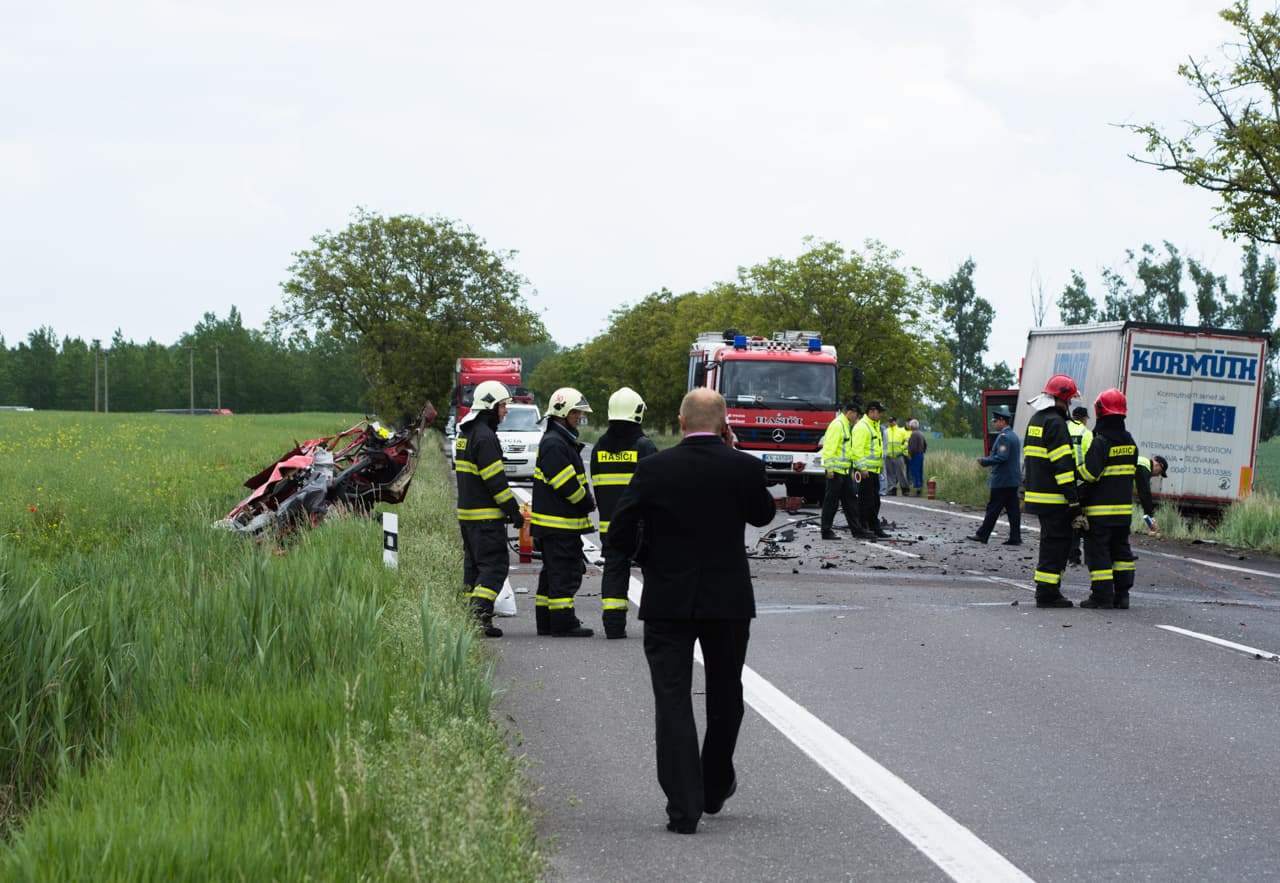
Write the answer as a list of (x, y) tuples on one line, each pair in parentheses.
[(526, 536)]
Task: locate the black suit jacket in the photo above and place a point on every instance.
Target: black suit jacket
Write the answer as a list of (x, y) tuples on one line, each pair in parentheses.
[(692, 503)]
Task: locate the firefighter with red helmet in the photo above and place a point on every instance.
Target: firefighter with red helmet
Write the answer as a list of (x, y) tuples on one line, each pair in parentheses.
[(613, 462), (1049, 464), (562, 503), (485, 501), (1109, 470)]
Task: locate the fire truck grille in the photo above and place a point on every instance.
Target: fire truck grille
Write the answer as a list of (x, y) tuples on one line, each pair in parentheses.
[(807, 439)]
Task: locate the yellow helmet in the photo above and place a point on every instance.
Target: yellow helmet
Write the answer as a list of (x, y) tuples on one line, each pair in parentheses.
[(626, 404), (564, 400)]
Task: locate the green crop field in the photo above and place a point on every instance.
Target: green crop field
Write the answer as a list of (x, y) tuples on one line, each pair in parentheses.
[(184, 703)]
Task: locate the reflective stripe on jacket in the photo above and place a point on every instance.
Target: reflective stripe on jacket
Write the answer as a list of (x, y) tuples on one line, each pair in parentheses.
[(835, 445), (1109, 472), (866, 448), (561, 500), (613, 462), (483, 492), (1049, 462)]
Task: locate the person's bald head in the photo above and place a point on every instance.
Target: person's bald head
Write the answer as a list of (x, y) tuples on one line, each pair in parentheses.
[(702, 410)]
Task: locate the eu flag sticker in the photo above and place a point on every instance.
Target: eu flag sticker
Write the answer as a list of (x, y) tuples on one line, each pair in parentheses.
[(1213, 418)]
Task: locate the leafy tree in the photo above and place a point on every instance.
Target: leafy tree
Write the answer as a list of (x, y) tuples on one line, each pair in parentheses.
[(409, 295), (1075, 305), (1161, 298), (1215, 305), (34, 375), (1235, 153), (967, 319)]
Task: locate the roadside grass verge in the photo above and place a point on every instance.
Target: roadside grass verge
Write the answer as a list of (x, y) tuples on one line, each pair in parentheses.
[(182, 703)]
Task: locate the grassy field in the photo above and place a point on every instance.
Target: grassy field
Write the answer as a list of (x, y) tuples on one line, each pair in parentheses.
[(185, 704)]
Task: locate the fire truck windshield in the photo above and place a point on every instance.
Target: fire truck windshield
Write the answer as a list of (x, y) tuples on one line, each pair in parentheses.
[(804, 386)]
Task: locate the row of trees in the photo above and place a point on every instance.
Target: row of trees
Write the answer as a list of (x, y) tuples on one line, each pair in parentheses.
[(901, 331), (219, 361)]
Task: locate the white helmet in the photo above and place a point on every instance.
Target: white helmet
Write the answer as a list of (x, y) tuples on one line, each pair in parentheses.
[(488, 395), (564, 400), (626, 404)]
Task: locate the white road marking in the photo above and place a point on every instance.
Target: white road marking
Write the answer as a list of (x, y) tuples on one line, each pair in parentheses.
[(887, 548), (1213, 564), (944, 841), (1230, 645)]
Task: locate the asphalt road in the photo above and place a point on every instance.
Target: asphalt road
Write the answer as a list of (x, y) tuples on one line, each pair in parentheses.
[(913, 717)]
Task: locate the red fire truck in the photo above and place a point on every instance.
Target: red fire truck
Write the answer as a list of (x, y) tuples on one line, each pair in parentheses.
[(468, 372), (781, 394)]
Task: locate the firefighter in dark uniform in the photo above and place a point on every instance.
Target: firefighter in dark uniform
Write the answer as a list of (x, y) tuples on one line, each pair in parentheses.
[(561, 503), (613, 462), (1109, 471), (485, 501), (1050, 467)]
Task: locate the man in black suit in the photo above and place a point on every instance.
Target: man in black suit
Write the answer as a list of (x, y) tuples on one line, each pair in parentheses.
[(683, 517)]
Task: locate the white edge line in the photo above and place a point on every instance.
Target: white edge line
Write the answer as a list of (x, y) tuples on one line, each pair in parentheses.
[(1230, 645), (944, 841)]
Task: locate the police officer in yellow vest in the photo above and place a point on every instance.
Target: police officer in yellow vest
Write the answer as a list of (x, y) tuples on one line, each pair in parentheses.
[(895, 458), (841, 491), (613, 463), (561, 504), (866, 453)]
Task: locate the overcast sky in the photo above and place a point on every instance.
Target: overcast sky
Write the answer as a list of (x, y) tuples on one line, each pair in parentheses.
[(160, 160)]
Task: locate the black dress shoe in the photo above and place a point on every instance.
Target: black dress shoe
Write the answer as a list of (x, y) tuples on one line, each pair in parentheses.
[(682, 827), (830, 535), (977, 539), (882, 535), (713, 808), (1012, 543)]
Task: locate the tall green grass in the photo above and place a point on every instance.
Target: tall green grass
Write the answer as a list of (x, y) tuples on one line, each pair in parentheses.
[(183, 703)]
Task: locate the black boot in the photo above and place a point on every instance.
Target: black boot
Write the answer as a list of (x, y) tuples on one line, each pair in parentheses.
[(1051, 598), (1121, 601)]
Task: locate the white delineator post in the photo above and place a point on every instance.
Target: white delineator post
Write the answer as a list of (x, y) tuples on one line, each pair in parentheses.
[(390, 539)]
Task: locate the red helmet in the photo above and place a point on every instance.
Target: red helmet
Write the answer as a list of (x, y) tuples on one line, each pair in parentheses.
[(1110, 401), (1060, 386)]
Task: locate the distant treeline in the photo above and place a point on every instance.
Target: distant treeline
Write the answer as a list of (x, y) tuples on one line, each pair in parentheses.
[(219, 364)]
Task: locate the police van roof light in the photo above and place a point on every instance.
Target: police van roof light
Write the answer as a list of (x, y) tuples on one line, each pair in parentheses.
[(740, 342), (815, 344)]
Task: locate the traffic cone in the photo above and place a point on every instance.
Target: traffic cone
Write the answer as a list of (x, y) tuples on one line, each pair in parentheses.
[(526, 536)]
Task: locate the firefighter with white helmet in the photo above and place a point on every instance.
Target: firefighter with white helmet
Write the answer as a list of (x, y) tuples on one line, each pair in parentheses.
[(1050, 467), (562, 502), (485, 501), (1109, 470), (613, 462)]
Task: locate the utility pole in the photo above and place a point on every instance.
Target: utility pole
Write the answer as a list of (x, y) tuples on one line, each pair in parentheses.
[(217, 374), (106, 382), (191, 382), (97, 352)]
